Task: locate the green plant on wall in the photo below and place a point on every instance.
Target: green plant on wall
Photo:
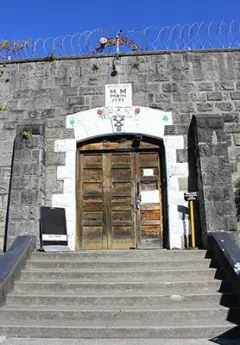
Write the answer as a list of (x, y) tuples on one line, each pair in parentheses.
[(136, 63), (95, 68), (3, 108), (2, 69), (1, 216), (26, 134)]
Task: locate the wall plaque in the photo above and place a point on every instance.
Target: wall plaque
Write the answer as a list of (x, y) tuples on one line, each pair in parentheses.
[(118, 95)]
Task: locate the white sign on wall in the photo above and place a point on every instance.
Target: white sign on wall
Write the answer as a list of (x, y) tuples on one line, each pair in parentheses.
[(118, 95)]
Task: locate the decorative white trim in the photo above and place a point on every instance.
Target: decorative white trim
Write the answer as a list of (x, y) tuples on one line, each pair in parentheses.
[(139, 120)]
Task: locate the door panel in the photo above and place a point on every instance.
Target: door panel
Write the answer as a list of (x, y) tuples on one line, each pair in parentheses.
[(92, 189), (92, 161), (150, 213), (149, 237), (91, 203), (93, 175), (148, 160), (92, 218), (121, 189), (92, 238), (125, 175), (120, 161), (121, 201)]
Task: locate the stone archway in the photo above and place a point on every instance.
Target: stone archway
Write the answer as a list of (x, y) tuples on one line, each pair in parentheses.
[(130, 120)]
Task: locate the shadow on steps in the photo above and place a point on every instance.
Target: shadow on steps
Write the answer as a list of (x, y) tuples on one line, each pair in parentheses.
[(230, 300), (222, 339)]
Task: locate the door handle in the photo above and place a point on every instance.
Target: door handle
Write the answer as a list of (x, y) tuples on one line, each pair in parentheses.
[(138, 188), (138, 203), (138, 197)]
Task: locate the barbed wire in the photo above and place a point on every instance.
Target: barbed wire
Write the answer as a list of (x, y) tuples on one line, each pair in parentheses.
[(179, 37)]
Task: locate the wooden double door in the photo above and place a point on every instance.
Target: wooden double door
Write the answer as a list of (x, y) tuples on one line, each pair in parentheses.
[(119, 198)]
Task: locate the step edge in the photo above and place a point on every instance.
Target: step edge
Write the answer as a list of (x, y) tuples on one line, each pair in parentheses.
[(122, 282), (44, 261), (223, 325), (212, 270), (13, 294), (129, 311)]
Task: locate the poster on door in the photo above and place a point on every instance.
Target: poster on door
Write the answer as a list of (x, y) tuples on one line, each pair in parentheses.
[(150, 197)]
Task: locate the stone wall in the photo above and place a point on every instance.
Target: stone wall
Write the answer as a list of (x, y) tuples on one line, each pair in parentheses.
[(213, 175), (185, 83), (27, 192)]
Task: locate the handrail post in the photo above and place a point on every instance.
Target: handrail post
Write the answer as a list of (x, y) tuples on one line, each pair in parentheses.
[(191, 197), (191, 208)]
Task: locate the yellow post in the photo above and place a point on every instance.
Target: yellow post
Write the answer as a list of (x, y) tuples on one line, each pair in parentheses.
[(192, 222)]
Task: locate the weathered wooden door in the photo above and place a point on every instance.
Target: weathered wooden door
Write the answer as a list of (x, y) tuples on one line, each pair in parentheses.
[(149, 211), (119, 200), (92, 206), (106, 196)]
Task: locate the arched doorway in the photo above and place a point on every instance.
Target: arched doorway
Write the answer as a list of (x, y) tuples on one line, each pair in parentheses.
[(101, 125), (121, 193)]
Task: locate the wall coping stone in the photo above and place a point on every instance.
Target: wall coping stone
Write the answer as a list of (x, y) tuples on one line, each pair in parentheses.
[(141, 53), (13, 261)]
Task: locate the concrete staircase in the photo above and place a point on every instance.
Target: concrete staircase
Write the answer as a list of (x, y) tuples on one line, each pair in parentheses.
[(119, 294)]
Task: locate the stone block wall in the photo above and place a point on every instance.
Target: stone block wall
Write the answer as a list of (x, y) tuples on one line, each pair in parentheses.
[(185, 83), (213, 178), (27, 183)]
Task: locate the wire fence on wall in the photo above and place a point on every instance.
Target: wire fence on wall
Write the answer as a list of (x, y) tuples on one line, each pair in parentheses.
[(179, 37)]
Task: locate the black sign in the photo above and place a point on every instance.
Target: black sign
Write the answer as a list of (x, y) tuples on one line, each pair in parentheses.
[(53, 228), (190, 196)]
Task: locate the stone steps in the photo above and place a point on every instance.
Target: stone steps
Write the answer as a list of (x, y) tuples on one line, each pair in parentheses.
[(106, 265), (74, 287), (121, 255), (150, 294), (117, 275), (39, 330), (119, 301), (114, 341), (156, 315)]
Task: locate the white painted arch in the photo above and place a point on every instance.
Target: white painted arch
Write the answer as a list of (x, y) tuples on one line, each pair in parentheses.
[(98, 122)]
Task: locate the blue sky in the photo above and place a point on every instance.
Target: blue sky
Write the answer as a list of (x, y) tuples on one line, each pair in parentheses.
[(24, 19)]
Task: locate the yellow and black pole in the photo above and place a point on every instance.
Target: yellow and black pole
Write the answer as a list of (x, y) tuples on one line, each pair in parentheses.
[(191, 211), (191, 197)]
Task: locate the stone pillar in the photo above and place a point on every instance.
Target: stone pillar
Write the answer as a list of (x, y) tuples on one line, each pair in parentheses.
[(26, 193), (213, 174)]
